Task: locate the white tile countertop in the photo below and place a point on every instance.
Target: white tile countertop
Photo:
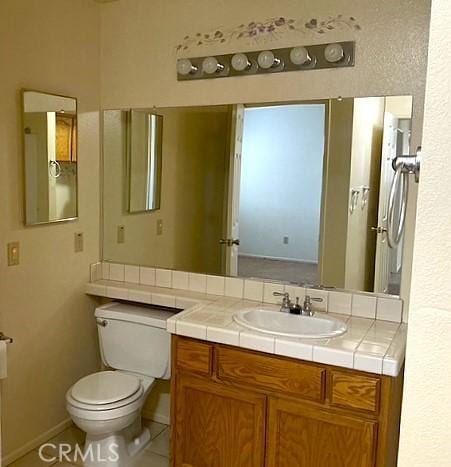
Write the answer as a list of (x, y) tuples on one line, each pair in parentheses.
[(371, 345)]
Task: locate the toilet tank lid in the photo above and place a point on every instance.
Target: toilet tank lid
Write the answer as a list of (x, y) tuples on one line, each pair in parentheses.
[(149, 316)]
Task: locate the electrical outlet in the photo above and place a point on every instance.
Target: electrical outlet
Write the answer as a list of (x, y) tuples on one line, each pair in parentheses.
[(120, 234), (13, 254), (285, 240), (78, 245), (160, 227)]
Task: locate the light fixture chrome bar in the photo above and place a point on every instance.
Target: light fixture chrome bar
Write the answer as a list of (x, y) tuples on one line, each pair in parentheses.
[(316, 61)]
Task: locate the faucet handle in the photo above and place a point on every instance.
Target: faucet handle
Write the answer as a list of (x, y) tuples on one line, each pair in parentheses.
[(313, 299), (286, 297), (286, 302), (281, 294), (307, 308)]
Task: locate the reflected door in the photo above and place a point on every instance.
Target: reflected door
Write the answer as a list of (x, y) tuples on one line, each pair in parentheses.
[(233, 206), (383, 253)]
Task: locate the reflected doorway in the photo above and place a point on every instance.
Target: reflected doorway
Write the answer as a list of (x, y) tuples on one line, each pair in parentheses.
[(281, 184)]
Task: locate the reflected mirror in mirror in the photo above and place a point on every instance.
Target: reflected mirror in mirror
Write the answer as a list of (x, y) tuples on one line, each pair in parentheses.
[(144, 160), (289, 192), (50, 148)]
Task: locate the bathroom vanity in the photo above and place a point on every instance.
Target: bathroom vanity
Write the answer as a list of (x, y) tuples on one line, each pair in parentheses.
[(237, 407), (242, 397)]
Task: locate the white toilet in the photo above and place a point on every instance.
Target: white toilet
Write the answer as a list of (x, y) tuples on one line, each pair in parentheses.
[(135, 346)]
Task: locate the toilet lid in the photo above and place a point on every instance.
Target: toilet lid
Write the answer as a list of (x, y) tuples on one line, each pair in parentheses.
[(105, 387)]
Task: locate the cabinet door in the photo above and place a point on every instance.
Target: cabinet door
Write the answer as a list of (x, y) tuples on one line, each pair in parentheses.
[(302, 436), (217, 426)]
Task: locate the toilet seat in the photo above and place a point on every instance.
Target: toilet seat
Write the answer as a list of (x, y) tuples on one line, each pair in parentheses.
[(107, 389), (96, 393)]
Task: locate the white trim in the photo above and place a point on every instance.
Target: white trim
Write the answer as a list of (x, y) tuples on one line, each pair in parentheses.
[(277, 258), (36, 442)]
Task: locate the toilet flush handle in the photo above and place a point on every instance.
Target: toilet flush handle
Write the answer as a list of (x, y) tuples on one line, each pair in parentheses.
[(102, 322)]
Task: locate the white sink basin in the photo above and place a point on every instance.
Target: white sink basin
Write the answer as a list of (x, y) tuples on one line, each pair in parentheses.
[(284, 324)]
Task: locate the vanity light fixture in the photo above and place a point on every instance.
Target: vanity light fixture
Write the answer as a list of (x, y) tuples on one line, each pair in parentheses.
[(334, 53), (267, 60), (300, 56), (240, 62), (210, 66), (259, 62), (185, 67)]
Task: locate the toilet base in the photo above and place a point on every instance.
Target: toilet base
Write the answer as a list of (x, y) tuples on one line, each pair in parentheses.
[(117, 449)]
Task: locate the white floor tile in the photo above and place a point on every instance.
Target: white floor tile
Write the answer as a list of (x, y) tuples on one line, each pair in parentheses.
[(31, 460), (155, 428), (150, 459), (72, 436), (160, 445)]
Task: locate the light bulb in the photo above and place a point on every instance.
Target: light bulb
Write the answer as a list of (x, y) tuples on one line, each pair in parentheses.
[(267, 60), (210, 65), (300, 56), (333, 53), (185, 67), (240, 62)]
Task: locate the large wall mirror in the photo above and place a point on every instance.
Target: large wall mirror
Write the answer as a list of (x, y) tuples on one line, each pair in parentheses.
[(293, 192), (50, 148)]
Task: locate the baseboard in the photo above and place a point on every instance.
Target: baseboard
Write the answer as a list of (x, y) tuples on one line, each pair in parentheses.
[(35, 443), (277, 258), (158, 417)]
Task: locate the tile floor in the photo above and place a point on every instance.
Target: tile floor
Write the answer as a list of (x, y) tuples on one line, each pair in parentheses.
[(156, 454)]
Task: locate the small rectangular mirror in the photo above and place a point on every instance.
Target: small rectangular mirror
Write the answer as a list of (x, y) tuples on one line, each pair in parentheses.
[(144, 160), (50, 152)]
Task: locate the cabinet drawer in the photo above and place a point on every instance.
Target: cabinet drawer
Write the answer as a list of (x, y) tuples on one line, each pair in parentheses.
[(354, 391), (271, 373), (193, 355)]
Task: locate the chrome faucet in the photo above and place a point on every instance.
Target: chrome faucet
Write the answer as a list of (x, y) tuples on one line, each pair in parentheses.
[(307, 308), (288, 307), (286, 302)]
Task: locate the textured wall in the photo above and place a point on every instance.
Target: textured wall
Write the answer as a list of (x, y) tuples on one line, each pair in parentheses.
[(140, 38), (53, 46), (425, 439)]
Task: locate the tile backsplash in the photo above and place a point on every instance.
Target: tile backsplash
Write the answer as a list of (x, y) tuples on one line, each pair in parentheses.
[(365, 305)]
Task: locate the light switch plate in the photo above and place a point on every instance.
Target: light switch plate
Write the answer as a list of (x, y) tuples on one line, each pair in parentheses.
[(120, 234), (13, 254), (78, 246)]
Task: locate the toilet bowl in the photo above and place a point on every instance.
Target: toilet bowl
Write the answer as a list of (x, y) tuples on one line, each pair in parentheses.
[(107, 405)]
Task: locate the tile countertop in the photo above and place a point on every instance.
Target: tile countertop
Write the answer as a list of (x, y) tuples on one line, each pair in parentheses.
[(374, 346)]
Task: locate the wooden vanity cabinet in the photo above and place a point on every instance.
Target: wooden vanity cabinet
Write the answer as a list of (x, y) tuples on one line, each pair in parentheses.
[(233, 407)]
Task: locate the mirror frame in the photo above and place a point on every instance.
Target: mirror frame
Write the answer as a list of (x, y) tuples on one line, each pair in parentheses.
[(24, 190)]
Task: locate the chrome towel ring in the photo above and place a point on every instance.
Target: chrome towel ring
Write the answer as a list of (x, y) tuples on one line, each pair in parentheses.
[(403, 166)]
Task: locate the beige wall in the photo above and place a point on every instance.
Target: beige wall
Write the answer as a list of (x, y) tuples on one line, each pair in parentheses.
[(49, 45), (194, 162), (139, 40), (426, 415)]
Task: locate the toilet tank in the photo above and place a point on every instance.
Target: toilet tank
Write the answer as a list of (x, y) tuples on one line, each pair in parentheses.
[(134, 338)]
